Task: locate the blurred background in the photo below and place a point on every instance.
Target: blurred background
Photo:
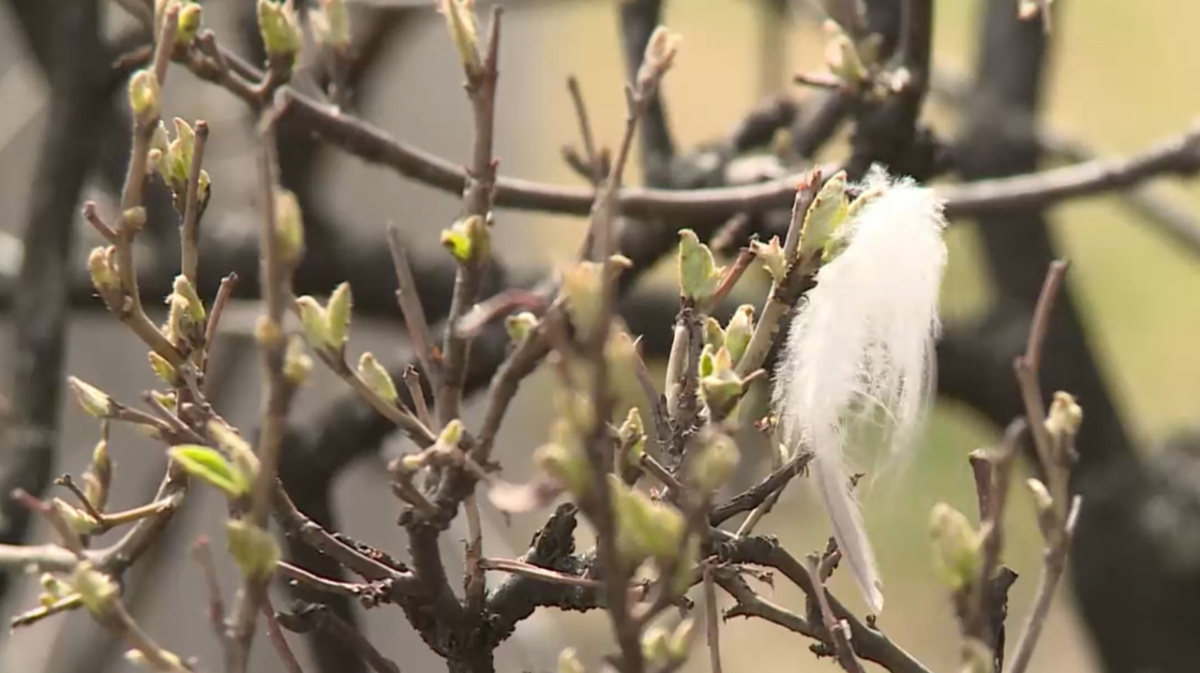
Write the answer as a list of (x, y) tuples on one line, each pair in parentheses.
[(1119, 77)]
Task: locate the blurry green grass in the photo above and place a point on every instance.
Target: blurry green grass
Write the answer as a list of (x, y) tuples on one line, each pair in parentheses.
[(1121, 77)]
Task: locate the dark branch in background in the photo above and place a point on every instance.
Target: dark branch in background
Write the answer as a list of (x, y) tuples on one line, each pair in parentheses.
[(1172, 217), (887, 132), (1018, 247), (40, 316)]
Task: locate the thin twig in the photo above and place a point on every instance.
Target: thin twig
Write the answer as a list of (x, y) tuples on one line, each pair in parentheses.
[(477, 196), (275, 396), (539, 573), (838, 632), (228, 283), (202, 552), (189, 241), (290, 663), (1028, 365), (711, 621), (414, 316), (594, 164), (1053, 568)]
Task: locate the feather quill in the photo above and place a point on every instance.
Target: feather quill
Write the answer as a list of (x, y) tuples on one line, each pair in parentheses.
[(861, 345)]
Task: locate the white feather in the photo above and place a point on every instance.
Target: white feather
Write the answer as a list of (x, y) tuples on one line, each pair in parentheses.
[(861, 344)]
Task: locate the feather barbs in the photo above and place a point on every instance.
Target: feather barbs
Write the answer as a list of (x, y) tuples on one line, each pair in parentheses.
[(860, 347)]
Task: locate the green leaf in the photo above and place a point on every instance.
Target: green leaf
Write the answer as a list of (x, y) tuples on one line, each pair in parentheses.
[(208, 464)]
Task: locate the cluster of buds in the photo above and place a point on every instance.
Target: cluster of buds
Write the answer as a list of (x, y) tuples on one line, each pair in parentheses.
[(664, 649), (330, 22), (720, 384), (190, 18), (172, 159), (279, 26), (327, 327), (469, 240)]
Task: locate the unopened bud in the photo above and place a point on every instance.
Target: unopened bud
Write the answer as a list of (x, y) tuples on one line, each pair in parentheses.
[(104, 277), (145, 97), (280, 30), (315, 319), (92, 399), (340, 305), (253, 548), (519, 325), (289, 227), (739, 331), (296, 363), (331, 25), (464, 32), (956, 546), (468, 239), (698, 272), (377, 378), (96, 591)]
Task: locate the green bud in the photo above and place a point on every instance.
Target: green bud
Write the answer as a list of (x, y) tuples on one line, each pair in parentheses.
[(632, 434), (957, 547), (739, 331), (714, 336), (698, 272), (826, 213), (464, 32), (621, 354), (715, 464), (315, 320), (377, 378), (1065, 416), (645, 528), (145, 97), (468, 239), (452, 434), (681, 638), (166, 399), (79, 521), (331, 25), (842, 57), (53, 586), (189, 23), (164, 370), (232, 444), (253, 548), (340, 305), (289, 227), (178, 159), (195, 308), (567, 465), (296, 363), (519, 325), (654, 646), (771, 254), (581, 286), (96, 591), (104, 276), (98, 478), (92, 399), (568, 662), (134, 218), (280, 30)]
